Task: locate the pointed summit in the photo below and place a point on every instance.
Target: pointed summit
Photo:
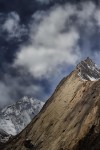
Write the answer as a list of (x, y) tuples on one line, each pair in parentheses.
[(88, 70), (89, 61)]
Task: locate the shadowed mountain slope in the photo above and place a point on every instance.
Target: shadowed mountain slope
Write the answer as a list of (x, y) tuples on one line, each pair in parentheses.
[(70, 119)]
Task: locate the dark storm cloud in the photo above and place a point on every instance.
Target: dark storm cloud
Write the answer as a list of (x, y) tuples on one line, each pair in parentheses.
[(32, 60)]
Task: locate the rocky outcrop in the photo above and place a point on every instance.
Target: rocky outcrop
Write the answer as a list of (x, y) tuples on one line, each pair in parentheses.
[(88, 70), (70, 119)]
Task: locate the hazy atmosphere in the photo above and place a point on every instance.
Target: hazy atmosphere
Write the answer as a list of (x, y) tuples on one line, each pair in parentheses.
[(41, 41)]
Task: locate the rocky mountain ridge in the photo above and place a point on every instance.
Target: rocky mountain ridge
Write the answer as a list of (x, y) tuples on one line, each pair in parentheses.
[(70, 119), (88, 70)]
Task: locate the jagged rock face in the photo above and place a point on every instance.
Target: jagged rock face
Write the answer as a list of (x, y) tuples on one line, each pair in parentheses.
[(68, 120), (88, 70), (91, 141)]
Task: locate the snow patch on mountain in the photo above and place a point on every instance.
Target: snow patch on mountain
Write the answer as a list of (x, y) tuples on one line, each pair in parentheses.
[(14, 118)]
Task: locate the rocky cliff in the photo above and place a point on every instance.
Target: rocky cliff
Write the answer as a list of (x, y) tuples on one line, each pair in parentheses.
[(70, 119)]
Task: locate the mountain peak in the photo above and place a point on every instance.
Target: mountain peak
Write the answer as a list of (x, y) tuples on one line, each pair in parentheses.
[(89, 61), (15, 118), (88, 70)]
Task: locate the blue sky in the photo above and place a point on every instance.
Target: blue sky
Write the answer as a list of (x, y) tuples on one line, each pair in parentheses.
[(41, 42)]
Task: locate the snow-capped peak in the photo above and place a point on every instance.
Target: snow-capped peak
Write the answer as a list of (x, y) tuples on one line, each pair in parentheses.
[(15, 118), (88, 70)]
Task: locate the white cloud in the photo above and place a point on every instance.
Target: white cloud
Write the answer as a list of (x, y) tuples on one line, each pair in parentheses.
[(54, 38), (12, 26), (86, 11), (12, 22), (50, 45)]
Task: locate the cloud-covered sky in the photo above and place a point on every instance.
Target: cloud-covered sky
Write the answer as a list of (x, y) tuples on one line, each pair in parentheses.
[(42, 43)]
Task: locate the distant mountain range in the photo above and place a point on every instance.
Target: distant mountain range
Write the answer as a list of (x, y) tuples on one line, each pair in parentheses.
[(14, 118)]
